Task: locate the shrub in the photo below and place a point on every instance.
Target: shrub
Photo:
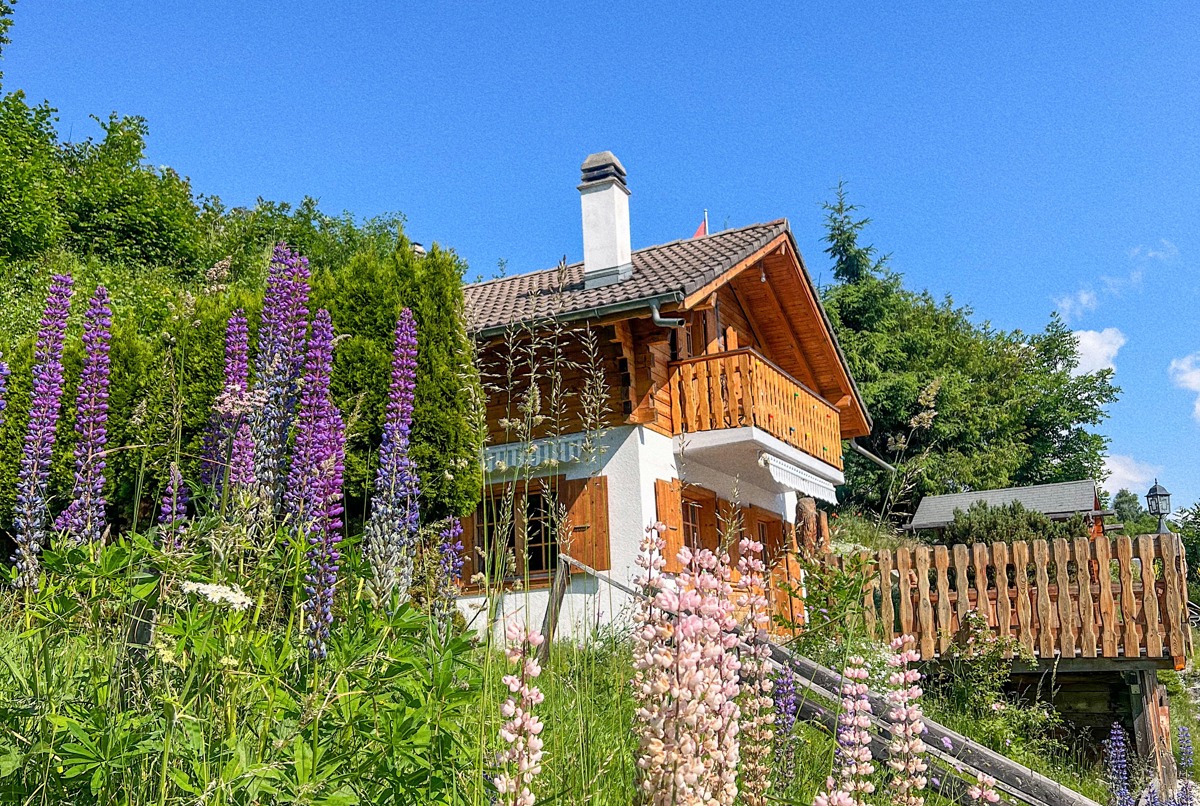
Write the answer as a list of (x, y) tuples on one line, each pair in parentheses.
[(1008, 523)]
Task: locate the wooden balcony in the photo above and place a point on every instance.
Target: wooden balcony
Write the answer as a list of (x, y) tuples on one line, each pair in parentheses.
[(741, 388), (1083, 601)]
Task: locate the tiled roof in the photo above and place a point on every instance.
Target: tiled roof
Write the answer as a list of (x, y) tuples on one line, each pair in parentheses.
[(679, 267), (1065, 498)]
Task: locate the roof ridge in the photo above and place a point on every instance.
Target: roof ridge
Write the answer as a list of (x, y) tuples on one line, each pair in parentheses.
[(727, 232)]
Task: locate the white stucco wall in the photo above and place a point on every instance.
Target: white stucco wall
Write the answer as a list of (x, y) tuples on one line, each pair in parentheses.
[(632, 458)]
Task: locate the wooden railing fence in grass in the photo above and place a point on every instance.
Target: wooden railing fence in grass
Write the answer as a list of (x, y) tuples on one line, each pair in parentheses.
[(1063, 599), (741, 388)]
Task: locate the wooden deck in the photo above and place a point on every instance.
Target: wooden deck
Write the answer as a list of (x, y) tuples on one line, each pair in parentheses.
[(742, 388), (1125, 599)]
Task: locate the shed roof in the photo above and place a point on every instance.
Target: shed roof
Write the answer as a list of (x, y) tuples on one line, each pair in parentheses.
[(1064, 498)]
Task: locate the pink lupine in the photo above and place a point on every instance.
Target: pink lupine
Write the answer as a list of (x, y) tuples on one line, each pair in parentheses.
[(853, 781), (906, 749), (757, 709), (686, 679), (985, 789), (522, 759)]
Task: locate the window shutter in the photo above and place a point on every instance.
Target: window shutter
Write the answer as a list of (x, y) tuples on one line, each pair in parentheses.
[(668, 499), (730, 525), (587, 516), (710, 533)]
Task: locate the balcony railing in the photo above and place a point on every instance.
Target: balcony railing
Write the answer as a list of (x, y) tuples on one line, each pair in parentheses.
[(742, 388)]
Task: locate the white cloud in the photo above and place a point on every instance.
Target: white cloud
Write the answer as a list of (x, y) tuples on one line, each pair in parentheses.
[(1185, 373), (1097, 349), (1164, 252), (1075, 305), (1128, 473)]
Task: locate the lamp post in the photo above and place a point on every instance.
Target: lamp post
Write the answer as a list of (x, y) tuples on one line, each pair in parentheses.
[(1158, 502)]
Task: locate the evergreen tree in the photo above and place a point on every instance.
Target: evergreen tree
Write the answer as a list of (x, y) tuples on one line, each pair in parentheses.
[(1128, 506), (1004, 408)]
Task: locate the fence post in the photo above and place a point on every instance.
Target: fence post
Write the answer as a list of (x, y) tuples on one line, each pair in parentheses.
[(558, 590)]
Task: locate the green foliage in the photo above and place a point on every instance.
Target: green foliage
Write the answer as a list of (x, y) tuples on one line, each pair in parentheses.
[(1128, 506), (365, 297), (1187, 526), (1007, 410), (217, 703), (32, 177), (1007, 523)]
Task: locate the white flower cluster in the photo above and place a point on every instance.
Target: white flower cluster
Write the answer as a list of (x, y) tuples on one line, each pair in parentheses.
[(219, 594)]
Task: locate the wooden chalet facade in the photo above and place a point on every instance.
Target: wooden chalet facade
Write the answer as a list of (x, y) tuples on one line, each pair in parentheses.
[(682, 383)]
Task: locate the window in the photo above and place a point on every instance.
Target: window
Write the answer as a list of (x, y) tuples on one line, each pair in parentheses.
[(541, 540), (691, 523)]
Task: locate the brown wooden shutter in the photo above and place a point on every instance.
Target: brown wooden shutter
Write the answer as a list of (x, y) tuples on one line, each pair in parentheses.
[(668, 499), (710, 532), (587, 516)]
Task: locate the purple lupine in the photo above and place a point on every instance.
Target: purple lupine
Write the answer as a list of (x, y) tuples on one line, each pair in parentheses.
[(391, 531), (450, 565), (279, 362), (232, 403), (313, 497), (241, 459), (1116, 757), (786, 710), (3, 389), (1187, 760), (172, 514), (83, 519), (31, 519)]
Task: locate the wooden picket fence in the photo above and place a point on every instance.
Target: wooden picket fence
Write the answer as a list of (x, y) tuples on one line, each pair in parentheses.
[(1066, 599)]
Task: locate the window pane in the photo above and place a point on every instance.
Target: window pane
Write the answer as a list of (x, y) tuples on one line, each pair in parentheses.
[(541, 545)]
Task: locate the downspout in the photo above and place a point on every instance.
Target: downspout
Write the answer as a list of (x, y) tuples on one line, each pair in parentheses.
[(866, 454), (657, 318)]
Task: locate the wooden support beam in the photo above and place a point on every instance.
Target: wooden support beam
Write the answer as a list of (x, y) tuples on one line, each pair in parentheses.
[(558, 591)]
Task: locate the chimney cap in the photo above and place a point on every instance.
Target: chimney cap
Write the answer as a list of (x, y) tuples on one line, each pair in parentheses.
[(603, 165)]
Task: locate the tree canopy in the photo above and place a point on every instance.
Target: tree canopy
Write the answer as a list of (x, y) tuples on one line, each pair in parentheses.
[(957, 405)]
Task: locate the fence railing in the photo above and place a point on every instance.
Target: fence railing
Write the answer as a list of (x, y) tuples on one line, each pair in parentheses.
[(1083, 598), (741, 388)]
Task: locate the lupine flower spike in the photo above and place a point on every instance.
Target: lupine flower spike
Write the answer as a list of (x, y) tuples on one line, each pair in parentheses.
[(450, 565), (906, 750), (31, 517), (391, 531), (278, 364), (686, 678), (314, 491), (522, 759), (3, 388), (83, 519), (787, 708), (233, 405), (757, 714), (1116, 757), (172, 515), (853, 781), (1187, 760), (241, 459)]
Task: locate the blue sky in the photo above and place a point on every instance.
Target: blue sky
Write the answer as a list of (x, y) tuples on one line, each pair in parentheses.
[(1018, 158)]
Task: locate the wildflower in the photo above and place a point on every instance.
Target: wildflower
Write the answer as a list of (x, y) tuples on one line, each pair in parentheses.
[(1116, 757), (280, 359), (757, 714), (314, 490), (241, 459), (686, 678), (173, 512), (31, 517), (232, 403), (391, 531), (450, 565), (3, 388), (985, 789), (786, 711), (906, 748), (946, 743), (83, 519), (522, 759), (1187, 758), (853, 781), (231, 597)]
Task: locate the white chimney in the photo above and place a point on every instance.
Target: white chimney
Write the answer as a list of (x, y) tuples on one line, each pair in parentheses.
[(605, 199)]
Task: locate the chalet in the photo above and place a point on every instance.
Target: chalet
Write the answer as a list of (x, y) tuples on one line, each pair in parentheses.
[(1059, 502), (684, 383)]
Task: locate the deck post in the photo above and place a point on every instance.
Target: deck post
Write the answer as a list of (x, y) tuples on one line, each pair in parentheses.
[(1151, 725), (558, 590)]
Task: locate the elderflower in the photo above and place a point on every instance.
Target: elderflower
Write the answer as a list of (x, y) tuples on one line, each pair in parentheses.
[(219, 594)]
